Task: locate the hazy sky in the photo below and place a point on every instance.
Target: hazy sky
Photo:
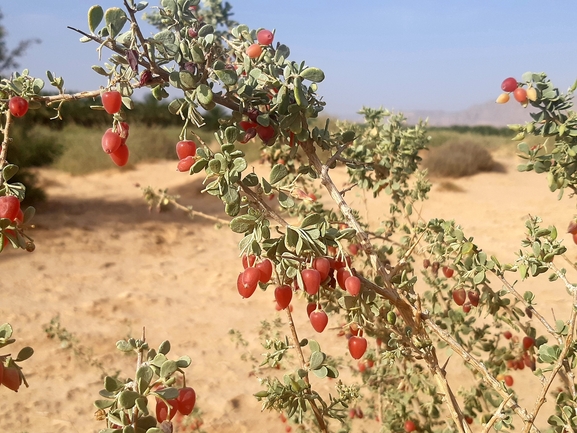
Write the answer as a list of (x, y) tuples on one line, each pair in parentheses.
[(402, 54)]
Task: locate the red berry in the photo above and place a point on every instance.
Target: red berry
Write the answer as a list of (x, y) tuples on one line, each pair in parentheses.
[(353, 285), (18, 106), (162, 411), (9, 207), (509, 84), (111, 101), (572, 227), (459, 296), (342, 275), (468, 420), (520, 95), (507, 335), (323, 265), (185, 148), (265, 268), (410, 426), (362, 366), (473, 297), (248, 261), (265, 37), (185, 163), (354, 249), (192, 33), (448, 272), (508, 380), (528, 342), (283, 295), (254, 51), (466, 307), (311, 280), (120, 155), (12, 378), (357, 346), (247, 282), (319, 320), (111, 141), (186, 400), (246, 125), (265, 133), (575, 238)]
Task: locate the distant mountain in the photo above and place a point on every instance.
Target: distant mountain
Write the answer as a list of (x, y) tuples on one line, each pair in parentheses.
[(489, 113)]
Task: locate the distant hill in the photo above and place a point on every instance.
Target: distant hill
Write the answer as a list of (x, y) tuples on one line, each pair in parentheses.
[(489, 113)]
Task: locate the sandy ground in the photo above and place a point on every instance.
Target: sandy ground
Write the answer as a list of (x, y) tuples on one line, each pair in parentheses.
[(107, 267)]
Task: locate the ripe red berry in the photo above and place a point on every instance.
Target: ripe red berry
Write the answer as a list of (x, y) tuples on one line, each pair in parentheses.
[(9, 207), (353, 285), (509, 84), (111, 101), (185, 148), (311, 280), (12, 378), (319, 320), (185, 164), (508, 380), (468, 420), (323, 265), (448, 272), (186, 400), (120, 155), (283, 295), (466, 307), (265, 37), (342, 275), (18, 106), (162, 411), (357, 346), (410, 426), (266, 133), (528, 342), (575, 238), (254, 51), (265, 268), (572, 227), (459, 296), (520, 95), (111, 141), (507, 335), (473, 297), (247, 282)]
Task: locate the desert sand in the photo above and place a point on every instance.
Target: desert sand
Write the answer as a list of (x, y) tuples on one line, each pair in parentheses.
[(107, 267)]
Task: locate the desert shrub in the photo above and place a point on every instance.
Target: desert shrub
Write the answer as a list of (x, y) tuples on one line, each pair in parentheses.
[(459, 159)]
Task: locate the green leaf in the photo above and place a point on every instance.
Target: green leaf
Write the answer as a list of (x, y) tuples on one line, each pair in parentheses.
[(169, 6), (103, 404), (250, 179), (317, 359), (115, 19), (243, 223), (100, 70), (278, 173), (228, 77), (285, 200), (321, 372), (24, 354), (168, 393), (95, 15), (5, 331), (124, 346), (111, 384), (183, 361), (9, 171), (168, 368), (479, 277), (311, 220), (127, 399), (313, 74), (164, 347), (142, 405), (204, 94)]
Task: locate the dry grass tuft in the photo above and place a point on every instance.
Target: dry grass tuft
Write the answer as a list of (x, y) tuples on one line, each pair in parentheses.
[(459, 159)]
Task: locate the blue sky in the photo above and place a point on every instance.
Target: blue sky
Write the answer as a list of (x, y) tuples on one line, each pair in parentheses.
[(403, 55)]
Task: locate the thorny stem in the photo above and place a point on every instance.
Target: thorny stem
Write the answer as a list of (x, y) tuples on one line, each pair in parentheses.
[(140, 36), (497, 414), (5, 141), (192, 212), (296, 343)]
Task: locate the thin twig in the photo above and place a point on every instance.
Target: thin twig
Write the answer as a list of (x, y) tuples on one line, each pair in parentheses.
[(498, 414), (296, 342), (5, 141)]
